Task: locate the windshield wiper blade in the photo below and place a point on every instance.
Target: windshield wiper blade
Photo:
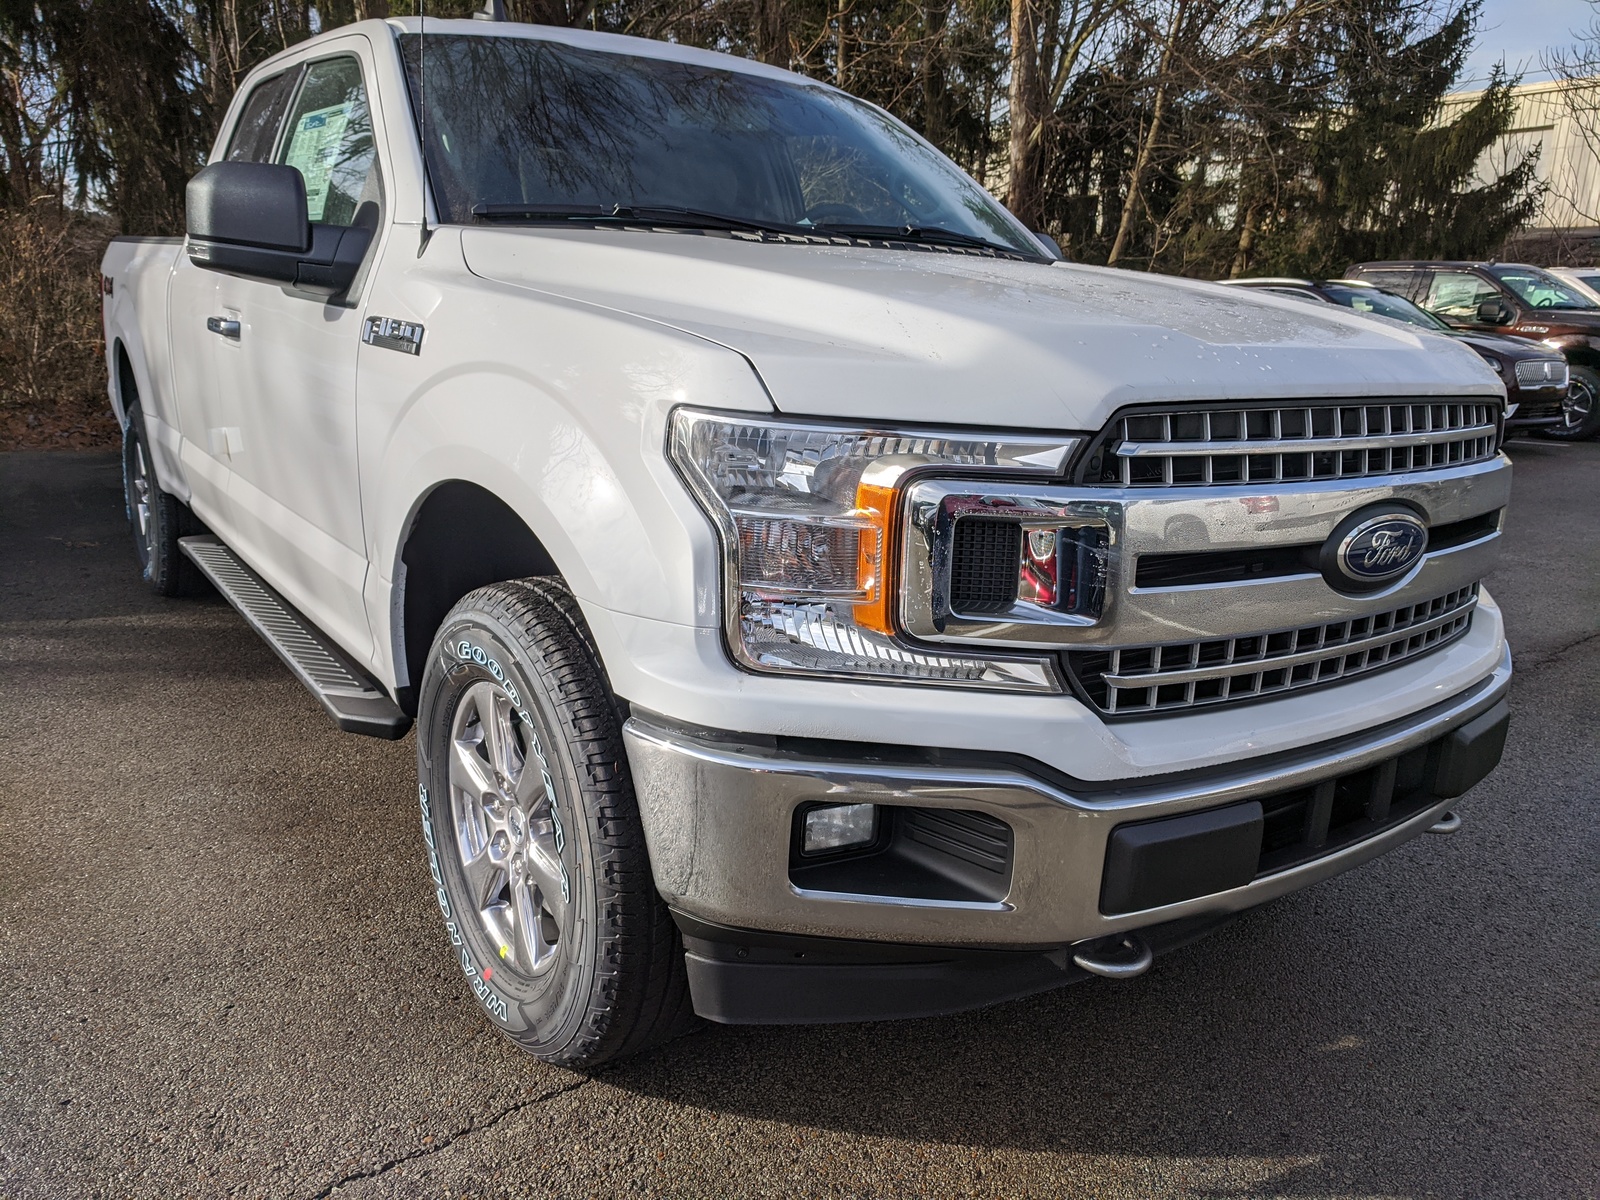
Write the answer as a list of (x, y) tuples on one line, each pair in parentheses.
[(651, 214), (919, 233), (538, 212), (696, 218)]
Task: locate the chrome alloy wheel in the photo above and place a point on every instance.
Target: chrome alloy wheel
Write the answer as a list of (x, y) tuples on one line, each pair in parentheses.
[(508, 835), (1578, 404), (140, 501)]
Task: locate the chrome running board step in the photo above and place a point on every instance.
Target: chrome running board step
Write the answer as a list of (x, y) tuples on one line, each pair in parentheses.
[(353, 699)]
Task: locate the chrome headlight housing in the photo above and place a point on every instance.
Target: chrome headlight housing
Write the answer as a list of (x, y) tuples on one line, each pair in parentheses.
[(806, 514)]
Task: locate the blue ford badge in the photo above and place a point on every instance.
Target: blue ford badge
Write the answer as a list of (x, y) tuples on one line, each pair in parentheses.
[(1374, 548)]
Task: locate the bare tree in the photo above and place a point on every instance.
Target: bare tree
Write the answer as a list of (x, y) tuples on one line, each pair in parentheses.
[(1048, 40)]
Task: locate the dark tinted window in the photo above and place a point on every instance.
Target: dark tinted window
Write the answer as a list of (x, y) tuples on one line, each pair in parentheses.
[(1402, 282), (1295, 294), (523, 123), (1370, 300), (329, 140), (257, 131)]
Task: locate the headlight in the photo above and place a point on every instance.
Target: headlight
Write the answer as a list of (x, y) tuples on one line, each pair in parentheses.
[(1497, 363), (806, 515)]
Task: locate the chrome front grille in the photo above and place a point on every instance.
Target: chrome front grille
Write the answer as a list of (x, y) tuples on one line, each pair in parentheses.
[(1274, 444), (1183, 676), (1542, 372)]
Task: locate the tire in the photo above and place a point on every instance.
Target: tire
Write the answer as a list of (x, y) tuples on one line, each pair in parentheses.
[(157, 518), (533, 835), (1581, 409)]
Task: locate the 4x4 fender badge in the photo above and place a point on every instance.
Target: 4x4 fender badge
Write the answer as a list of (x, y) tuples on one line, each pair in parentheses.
[(391, 333)]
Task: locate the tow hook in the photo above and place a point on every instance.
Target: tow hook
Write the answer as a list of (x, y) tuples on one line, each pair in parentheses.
[(1120, 956), (1449, 821)]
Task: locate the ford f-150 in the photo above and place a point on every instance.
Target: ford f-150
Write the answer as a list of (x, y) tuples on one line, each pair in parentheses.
[(814, 599)]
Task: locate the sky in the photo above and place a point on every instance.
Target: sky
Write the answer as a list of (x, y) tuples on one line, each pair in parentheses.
[(1518, 30)]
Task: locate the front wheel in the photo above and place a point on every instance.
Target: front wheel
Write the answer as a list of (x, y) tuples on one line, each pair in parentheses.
[(533, 834), (1580, 410)]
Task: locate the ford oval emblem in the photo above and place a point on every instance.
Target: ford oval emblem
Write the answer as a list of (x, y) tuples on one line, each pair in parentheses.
[(1373, 548)]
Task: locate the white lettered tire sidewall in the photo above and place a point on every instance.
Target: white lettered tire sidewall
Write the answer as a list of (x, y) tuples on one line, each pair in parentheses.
[(544, 1013)]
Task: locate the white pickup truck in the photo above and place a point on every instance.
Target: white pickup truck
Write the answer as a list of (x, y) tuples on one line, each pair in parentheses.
[(815, 600)]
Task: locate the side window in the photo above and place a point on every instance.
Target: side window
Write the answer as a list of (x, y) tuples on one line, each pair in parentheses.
[(256, 133), (1455, 295), (1402, 282), (329, 141)]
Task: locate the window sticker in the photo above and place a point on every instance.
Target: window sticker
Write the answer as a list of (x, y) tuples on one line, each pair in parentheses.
[(313, 150)]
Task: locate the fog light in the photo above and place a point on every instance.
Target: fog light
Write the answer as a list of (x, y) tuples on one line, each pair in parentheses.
[(838, 827)]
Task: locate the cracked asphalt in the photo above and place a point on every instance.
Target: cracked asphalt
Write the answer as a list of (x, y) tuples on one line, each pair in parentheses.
[(222, 972)]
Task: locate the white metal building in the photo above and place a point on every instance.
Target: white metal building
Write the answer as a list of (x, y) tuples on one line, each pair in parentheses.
[(1562, 120)]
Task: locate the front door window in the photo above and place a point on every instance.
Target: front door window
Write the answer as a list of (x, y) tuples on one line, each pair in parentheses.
[(329, 141), (1455, 296)]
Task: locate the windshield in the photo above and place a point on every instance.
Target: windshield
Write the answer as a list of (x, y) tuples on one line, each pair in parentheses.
[(1383, 304), (1540, 288), (522, 129)]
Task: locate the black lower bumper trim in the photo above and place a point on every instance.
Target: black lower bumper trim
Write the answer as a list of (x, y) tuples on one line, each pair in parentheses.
[(1149, 864), (748, 977)]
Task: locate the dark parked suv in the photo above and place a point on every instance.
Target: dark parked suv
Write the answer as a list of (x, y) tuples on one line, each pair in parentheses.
[(1536, 377), (1514, 299)]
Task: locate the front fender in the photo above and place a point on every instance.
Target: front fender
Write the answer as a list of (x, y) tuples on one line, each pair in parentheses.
[(560, 411)]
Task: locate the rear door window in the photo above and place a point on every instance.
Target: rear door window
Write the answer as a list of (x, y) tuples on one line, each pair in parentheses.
[(1402, 282), (255, 135), (329, 141)]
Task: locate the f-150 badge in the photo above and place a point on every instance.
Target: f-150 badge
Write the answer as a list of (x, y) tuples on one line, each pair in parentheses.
[(391, 333)]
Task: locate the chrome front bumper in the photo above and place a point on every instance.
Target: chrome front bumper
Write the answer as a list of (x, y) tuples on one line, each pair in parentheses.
[(719, 814)]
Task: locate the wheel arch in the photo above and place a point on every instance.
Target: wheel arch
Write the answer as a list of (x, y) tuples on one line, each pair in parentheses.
[(124, 382), (436, 565), (1585, 354)]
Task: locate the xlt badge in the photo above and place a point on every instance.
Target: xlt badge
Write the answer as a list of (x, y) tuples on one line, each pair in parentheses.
[(391, 333)]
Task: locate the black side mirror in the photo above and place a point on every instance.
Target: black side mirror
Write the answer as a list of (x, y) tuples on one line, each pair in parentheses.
[(1051, 246), (250, 219), (1495, 311)]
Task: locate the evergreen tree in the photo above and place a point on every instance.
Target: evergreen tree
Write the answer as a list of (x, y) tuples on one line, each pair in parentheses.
[(1385, 177)]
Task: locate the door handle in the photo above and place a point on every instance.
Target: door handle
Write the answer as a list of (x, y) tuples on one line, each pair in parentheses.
[(226, 327)]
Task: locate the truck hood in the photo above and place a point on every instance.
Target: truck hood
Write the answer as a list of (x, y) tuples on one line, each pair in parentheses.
[(908, 336)]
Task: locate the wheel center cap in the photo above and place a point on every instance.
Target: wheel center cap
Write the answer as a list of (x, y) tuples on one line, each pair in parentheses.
[(517, 823)]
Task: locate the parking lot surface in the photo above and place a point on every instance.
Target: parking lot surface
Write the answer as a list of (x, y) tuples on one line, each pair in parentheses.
[(222, 972)]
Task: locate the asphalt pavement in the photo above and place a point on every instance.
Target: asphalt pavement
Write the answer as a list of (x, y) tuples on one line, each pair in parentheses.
[(222, 972)]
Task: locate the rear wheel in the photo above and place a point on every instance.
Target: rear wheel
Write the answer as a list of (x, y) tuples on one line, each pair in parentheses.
[(533, 833), (157, 518), (1580, 411)]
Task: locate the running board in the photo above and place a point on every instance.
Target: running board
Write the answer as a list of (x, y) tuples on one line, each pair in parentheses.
[(355, 702)]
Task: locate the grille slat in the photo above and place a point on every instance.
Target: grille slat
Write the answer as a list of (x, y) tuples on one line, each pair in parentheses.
[(1183, 676), (1224, 445)]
